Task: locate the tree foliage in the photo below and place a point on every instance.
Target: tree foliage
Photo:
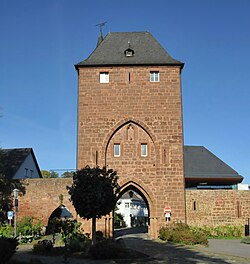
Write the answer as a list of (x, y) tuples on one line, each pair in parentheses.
[(67, 174), (94, 191), (6, 188), (45, 173), (49, 174)]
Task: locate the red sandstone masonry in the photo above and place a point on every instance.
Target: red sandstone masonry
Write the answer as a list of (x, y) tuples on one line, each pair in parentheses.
[(213, 207), (217, 207), (131, 113), (42, 198)]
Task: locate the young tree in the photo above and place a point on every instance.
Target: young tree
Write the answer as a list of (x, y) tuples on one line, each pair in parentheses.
[(94, 193), (49, 174), (54, 174), (67, 174), (45, 173)]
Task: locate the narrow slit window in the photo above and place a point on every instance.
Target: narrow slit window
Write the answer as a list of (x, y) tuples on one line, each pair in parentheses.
[(144, 150), (104, 77), (117, 150), (154, 76)]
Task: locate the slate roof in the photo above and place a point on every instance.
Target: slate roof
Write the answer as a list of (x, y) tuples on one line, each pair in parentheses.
[(12, 159), (200, 163), (147, 51), (134, 197)]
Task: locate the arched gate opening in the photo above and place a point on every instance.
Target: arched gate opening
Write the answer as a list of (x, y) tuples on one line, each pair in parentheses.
[(132, 213)]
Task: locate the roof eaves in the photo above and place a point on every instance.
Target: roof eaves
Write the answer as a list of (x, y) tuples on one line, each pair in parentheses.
[(77, 66)]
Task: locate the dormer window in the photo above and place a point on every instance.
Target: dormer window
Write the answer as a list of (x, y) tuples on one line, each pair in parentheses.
[(129, 52)]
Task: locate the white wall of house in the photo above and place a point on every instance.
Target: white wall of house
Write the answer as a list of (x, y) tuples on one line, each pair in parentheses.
[(135, 212), (28, 169)]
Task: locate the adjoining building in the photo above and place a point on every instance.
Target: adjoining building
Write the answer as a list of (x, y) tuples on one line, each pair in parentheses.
[(204, 170), (19, 163), (133, 209)]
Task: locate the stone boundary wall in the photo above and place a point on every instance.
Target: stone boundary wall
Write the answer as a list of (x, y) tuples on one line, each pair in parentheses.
[(42, 198), (203, 207), (217, 207)]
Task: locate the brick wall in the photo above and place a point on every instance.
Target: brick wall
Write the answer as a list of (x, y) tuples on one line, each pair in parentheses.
[(217, 207), (203, 207), (131, 110), (42, 198)]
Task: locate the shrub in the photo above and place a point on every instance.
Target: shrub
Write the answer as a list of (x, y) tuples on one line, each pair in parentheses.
[(6, 231), (106, 249), (221, 231), (70, 230), (7, 248), (181, 233), (99, 236), (80, 243), (43, 246), (27, 226)]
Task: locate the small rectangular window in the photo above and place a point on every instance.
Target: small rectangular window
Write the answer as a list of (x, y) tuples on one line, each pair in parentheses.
[(154, 76), (126, 205), (117, 150), (104, 77), (144, 150)]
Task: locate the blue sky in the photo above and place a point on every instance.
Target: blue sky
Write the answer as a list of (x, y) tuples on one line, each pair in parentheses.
[(42, 40)]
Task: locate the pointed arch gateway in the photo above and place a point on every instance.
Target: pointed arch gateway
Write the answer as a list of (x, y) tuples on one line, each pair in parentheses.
[(140, 189), (134, 215), (130, 149)]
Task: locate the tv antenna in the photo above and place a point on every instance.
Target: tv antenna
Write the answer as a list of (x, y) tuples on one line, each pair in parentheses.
[(101, 25)]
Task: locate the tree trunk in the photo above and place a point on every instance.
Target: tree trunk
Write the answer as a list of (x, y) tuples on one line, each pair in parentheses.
[(94, 230)]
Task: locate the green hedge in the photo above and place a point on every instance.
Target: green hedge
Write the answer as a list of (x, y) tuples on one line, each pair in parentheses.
[(221, 231), (183, 234)]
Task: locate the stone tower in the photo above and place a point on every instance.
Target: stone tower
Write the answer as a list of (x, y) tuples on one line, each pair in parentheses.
[(130, 119)]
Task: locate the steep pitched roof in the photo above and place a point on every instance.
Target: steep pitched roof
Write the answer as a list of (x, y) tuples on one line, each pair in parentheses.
[(111, 51), (134, 197), (12, 159), (200, 163)]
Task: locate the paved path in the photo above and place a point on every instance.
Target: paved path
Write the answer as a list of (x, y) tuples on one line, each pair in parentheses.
[(160, 252), (156, 252), (219, 250)]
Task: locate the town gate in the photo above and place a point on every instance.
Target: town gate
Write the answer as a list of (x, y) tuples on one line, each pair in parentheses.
[(130, 120)]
